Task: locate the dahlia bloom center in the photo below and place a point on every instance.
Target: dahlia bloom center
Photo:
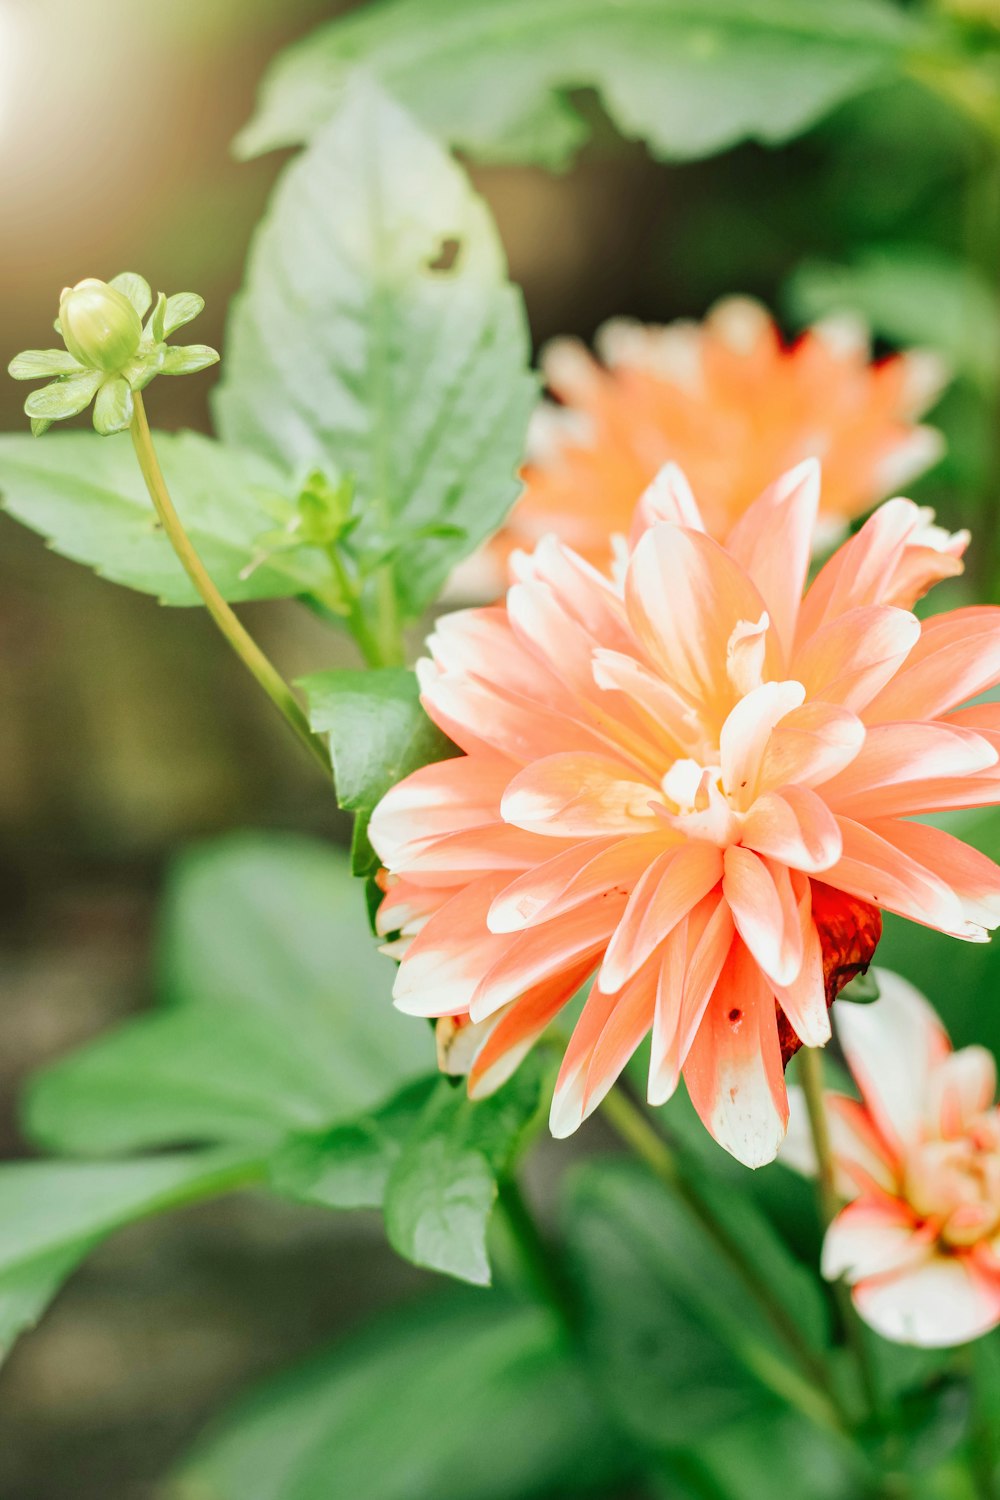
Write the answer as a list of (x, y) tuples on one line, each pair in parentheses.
[(955, 1185)]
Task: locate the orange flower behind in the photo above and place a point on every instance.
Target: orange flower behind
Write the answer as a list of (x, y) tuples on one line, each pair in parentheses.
[(732, 406), (691, 783)]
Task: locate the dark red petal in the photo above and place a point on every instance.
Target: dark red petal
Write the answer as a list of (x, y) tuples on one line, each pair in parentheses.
[(849, 932)]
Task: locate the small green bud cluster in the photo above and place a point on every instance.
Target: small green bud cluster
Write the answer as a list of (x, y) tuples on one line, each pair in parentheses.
[(110, 354)]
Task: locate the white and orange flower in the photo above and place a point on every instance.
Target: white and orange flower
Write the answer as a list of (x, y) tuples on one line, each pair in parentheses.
[(919, 1159), (696, 784), (732, 405)]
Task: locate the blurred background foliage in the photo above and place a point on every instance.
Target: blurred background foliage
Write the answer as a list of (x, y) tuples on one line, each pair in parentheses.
[(127, 732)]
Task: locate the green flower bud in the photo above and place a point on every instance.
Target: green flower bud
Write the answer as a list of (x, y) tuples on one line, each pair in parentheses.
[(99, 325)]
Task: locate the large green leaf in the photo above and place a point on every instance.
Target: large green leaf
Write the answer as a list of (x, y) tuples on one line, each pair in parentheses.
[(442, 1187), (52, 1213), (677, 1344), (430, 1158), (465, 1399), (491, 76), (772, 1453), (378, 734), (85, 494), (356, 350), (277, 1020)]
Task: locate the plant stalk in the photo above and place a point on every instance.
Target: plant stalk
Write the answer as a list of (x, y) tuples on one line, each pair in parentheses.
[(246, 648), (811, 1078), (630, 1122)]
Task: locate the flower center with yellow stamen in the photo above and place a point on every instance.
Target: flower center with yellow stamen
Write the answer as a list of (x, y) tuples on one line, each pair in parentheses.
[(956, 1184)]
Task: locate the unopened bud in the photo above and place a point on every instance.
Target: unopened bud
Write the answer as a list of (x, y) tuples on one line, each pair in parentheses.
[(100, 327)]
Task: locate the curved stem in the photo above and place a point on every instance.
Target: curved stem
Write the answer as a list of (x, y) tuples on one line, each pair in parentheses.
[(811, 1078), (630, 1122), (239, 638)]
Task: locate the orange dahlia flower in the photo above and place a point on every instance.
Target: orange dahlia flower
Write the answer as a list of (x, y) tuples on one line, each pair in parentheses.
[(667, 779), (919, 1158), (733, 406)]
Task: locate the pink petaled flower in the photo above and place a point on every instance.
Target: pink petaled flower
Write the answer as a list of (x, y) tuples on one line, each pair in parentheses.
[(732, 405), (919, 1158), (695, 784)]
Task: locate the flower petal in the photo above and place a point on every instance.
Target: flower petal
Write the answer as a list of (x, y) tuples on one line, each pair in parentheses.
[(675, 882), (518, 1028), (65, 397), (810, 745), (872, 1235), (579, 795), (733, 1071), (40, 364), (445, 963), (849, 659), (945, 1301), (692, 961), (962, 1086), (773, 539), (685, 597), (760, 897), (886, 776), (746, 732), (956, 656), (875, 870), (794, 827), (859, 572), (587, 871), (892, 1048), (974, 879)]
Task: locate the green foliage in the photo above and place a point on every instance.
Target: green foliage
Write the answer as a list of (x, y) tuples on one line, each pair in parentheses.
[(675, 1341), (464, 1399), (914, 296), (378, 733), (354, 348), (431, 1159), (277, 1016), (772, 1453), (53, 1213), (493, 77), (87, 498), (442, 1187)]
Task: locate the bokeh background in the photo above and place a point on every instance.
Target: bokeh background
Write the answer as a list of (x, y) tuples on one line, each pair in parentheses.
[(127, 730)]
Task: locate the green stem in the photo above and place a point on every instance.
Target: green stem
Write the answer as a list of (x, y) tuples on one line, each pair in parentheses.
[(811, 1078), (536, 1255), (368, 640), (242, 642), (821, 1403)]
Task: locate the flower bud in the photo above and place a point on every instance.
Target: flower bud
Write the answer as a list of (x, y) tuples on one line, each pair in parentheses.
[(100, 327)]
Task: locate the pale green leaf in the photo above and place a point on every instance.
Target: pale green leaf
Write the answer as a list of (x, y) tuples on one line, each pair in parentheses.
[(87, 497), (187, 359), (155, 326), (52, 1213), (136, 288), (689, 76), (65, 397), (40, 364), (348, 352), (278, 1017), (460, 1399), (113, 407), (181, 308)]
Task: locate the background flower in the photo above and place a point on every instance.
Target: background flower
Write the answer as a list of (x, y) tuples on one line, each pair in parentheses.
[(656, 774), (919, 1158), (733, 405)]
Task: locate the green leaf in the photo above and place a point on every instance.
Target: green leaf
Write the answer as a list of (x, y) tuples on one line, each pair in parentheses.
[(113, 407), (348, 351), (182, 307), (378, 733), (87, 497), (187, 359), (65, 397), (442, 1186), (772, 1453), (52, 1213), (458, 1399), (676, 1343), (136, 288), (276, 1016), (40, 364), (690, 76), (912, 295), (155, 329), (349, 1166)]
